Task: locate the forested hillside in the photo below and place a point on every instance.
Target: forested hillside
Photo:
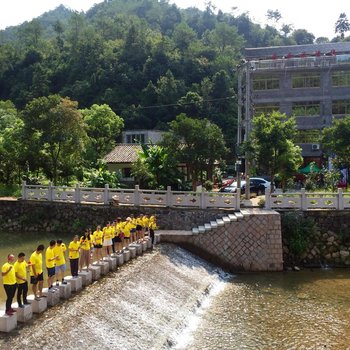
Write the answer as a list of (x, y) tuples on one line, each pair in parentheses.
[(148, 60)]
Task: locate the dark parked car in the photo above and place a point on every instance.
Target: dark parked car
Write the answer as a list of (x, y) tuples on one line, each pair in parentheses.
[(257, 185)]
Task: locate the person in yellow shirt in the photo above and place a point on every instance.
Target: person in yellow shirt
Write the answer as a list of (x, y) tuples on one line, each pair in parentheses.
[(107, 239), (21, 278), (127, 230), (139, 228), (152, 228), (36, 271), (98, 240), (85, 249), (60, 268), (145, 223), (73, 248), (118, 236), (50, 259), (9, 281)]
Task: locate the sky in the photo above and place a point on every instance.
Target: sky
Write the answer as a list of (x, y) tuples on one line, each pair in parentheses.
[(317, 17)]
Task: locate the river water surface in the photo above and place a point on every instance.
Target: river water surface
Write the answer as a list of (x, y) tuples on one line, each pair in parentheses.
[(171, 299)]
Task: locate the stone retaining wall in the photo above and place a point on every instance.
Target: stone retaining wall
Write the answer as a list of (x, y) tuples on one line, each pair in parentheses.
[(253, 243), (55, 217)]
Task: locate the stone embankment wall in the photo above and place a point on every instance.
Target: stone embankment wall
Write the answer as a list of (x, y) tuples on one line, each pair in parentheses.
[(55, 217), (253, 243), (328, 244)]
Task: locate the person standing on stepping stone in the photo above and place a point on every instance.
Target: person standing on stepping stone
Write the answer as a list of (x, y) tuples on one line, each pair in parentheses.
[(50, 259), (60, 269), (97, 237), (9, 281), (21, 278), (36, 271), (85, 249), (74, 255), (152, 227)]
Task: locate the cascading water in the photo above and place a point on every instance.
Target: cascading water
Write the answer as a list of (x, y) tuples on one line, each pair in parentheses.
[(151, 303)]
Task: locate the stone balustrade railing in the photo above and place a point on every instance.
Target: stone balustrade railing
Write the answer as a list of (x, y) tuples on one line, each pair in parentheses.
[(303, 200), (132, 197)]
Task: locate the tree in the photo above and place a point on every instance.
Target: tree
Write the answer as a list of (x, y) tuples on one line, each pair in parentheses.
[(336, 140), (342, 25), (303, 37), (157, 167), (56, 128), (103, 128), (198, 143), (273, 15), (271, 145)]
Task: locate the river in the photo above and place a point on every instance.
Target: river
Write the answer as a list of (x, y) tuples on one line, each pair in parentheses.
[(171, 299)]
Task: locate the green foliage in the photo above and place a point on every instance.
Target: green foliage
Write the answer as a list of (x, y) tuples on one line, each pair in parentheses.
[(297, 232), (100, 177), (198, 143), (10, 191), (336, 140), (271, 146)]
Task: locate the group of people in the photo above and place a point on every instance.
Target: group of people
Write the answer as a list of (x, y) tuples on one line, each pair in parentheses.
[(91, 246)]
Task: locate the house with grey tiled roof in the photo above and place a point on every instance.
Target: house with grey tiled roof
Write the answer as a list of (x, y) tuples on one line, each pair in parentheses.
[(310, 82)]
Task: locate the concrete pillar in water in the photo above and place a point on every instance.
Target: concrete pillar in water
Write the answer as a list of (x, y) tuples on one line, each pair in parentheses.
[(38, 306), (95, 271), (112, 263), (7, 323), (144, 246), (65, 290), (86, 277), (104, 266), (149, 243), (138, 247), (75, 282), (126, 254), (52, 296), (119, 258), (132, 250), (24, 314)]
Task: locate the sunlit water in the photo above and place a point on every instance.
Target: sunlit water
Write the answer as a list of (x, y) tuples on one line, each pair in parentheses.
[(170, 299)]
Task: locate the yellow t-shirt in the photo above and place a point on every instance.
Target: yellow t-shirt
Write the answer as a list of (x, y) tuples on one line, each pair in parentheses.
[(107, 233), (21, 271), (145, 221), (127, 227), (75, 253), (152, 225), (98, 236), (50, 257), (85, 243), (59, 251), (37, 260), (10, 277)]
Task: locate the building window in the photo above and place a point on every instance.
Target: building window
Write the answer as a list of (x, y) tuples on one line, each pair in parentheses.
[(301, 109), (265, 109), (341, 78), (135, 138), (266, 83), (126, 172), (308, 136), (341, 107), (306, 81)]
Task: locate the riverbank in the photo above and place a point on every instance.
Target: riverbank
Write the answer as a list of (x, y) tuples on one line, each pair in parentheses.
[(141, 306)]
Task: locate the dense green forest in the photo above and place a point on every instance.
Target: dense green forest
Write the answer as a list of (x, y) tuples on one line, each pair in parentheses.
[(147, 60)]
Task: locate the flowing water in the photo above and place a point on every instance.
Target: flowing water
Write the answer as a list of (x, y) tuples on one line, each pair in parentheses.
[(171, 299)]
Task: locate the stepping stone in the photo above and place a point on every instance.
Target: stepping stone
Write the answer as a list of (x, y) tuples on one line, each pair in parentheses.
[(195, 231), (104, 266), (144, 246), (207, 227), (220, 222), (226, 220), (132, 251), (126, 254), (213, 224), (232, 217), (239, 215), (112, 263), (138, 247), (24, 314), (65, 290), (7, 323), (120, 259), (86, 277), (52, 296), (38, 306), (149, 243), (75, 282), (201, 229), (95, 271)]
